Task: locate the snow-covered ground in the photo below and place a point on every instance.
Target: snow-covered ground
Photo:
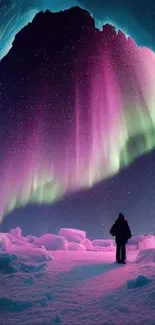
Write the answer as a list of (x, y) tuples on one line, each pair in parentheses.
[(72, 284)]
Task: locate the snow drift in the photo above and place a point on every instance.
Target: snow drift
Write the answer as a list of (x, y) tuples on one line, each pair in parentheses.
[(70, 282), (73, 235), (51, 242)]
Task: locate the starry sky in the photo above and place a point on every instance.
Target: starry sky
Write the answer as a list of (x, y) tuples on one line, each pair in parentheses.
[(77, 127)]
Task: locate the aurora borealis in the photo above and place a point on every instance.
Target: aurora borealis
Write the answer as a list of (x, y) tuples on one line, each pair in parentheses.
[(77, 106)]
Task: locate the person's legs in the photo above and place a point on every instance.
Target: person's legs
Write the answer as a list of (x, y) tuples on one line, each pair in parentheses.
[(118, 252), (123, 252)]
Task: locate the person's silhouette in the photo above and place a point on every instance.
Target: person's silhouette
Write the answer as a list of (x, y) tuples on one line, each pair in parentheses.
[(122, 233)]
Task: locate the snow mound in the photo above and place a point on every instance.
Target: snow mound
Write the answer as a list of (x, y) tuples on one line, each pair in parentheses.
[(51, 242), (31, 267), (33, 254), (16, 232), (108, 243), (148, 242), (16, 241), (73, 235), (24, 259), (31, 239), (40, 255), (7, 267), (88, 244), (72, 246), (4, 242), (141, 242), (32, 263), (146, 256), (134, 240), (132, 247), (140, 281)]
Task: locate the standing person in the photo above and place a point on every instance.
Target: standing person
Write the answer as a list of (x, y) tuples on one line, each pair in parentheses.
[(122, 233)]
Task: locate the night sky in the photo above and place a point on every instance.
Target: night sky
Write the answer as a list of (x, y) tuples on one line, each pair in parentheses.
[(135, 17), (77, 127)]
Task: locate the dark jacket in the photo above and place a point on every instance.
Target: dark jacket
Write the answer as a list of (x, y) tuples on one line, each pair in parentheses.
[(121, 231)]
